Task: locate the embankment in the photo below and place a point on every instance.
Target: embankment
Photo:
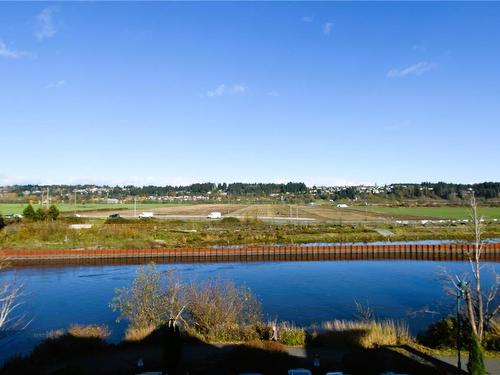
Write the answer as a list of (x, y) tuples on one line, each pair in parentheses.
[(446, 251)]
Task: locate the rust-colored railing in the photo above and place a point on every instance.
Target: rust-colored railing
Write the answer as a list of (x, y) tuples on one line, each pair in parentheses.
[(448, 251)]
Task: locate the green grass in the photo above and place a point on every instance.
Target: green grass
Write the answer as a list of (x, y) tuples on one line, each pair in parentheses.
[(432, 212), (17, 208)]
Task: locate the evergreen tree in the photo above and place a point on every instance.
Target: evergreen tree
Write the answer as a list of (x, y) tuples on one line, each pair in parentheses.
[(53, 212), (476, 361), (40, 214), (29, 212)]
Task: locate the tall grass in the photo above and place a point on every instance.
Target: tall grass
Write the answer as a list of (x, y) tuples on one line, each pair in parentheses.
[(369, 334), (133, 334), (291, 335), (89, 331)]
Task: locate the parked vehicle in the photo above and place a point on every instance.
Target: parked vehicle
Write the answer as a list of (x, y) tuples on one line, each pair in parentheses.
[(13, 216), (146, 214), (214, 215), (299, 371), (114, 216)]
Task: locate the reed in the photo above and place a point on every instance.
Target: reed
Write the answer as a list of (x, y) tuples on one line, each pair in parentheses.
[(89, 331), (133, 334), (368, 334), (291, 335)]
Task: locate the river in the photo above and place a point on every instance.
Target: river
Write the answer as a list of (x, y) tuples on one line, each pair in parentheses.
[(305, 292)]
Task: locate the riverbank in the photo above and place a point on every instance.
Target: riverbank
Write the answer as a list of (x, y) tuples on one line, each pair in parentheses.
[(80, 233), (92, 355)]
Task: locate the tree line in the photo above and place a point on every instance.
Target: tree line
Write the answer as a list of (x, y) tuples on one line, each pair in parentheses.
[(237, 188), (441, 190)]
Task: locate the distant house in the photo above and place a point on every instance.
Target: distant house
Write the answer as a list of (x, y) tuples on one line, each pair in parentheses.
[(342, 205), (112, 201)]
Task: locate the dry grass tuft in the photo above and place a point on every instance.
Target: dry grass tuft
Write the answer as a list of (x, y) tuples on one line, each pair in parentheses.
[(89, 331), (138, 334), (54, 334), (363, 334)]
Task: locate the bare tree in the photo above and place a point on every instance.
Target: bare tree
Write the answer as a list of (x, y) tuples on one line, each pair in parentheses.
[(11, 318), (364, 313), (478, 303), (153, 299)]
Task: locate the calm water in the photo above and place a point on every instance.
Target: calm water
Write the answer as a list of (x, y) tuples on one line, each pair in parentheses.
[(303, 292)]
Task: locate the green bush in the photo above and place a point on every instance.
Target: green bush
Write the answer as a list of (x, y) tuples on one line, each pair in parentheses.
[(443, 334), (40, 214), (230, 220), (491, 339), (290, 335), (29, 212), (53, 212)]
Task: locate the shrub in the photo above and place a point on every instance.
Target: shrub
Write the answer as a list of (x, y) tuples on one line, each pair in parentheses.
[(492, 336), (29, 212), (264, 331), (40, 214), (289, 334), (443, 334), (153, 299), (230, 220), (53, 212), (219, 310), (476, 366), (2, 223)]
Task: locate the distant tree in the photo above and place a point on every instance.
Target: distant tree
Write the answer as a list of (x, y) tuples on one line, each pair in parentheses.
[(40, 214), (29, 212), (53, 212)]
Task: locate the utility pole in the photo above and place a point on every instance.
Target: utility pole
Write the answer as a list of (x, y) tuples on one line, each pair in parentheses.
[(135, 206)]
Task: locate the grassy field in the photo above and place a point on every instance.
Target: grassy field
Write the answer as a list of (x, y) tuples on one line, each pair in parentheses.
[(319, 212), (431, 212), (17, 208)]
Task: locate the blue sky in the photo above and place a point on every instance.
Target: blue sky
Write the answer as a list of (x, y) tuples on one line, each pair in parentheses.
[(174, 93)]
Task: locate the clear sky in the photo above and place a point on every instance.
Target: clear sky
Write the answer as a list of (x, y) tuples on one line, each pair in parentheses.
[(174, 93)]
